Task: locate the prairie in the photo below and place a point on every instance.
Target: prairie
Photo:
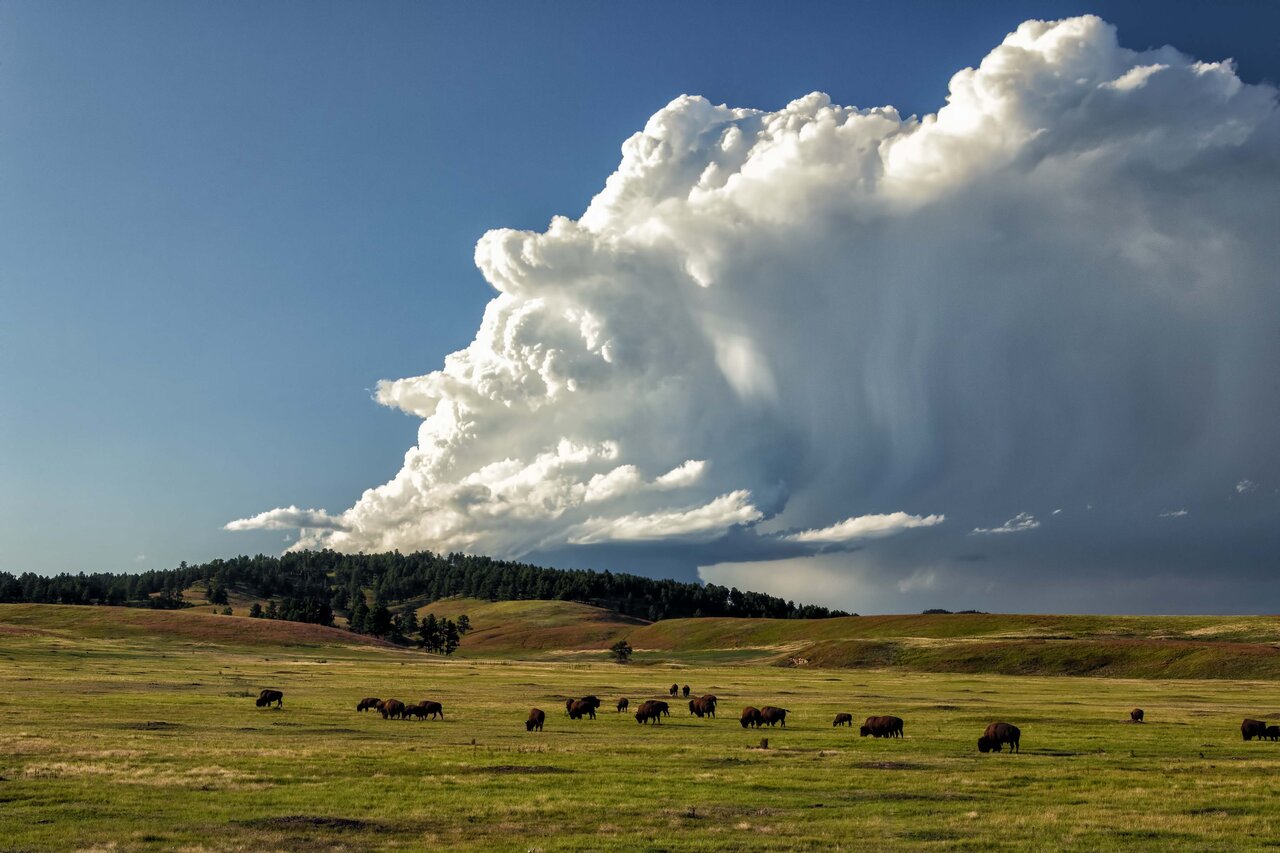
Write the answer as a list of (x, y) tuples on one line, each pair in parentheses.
[(122, 730)]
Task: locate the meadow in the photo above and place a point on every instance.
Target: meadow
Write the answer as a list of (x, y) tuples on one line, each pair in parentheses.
[(126, 730)]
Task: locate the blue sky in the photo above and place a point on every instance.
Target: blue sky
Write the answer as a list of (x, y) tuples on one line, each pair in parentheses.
[(222, 224)]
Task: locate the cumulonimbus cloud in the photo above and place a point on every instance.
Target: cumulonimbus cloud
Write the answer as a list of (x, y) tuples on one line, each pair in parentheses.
[(1060, 286)]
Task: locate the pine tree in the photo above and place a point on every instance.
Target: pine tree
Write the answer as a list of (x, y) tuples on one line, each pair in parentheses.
[(464, 624), (451, 638), (255, 612), (430, 632), (359, 618), (272, 612)]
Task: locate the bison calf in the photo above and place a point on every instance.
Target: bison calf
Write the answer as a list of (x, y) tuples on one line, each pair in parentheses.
[(843, 720), (536, 718), (623, 705), (1135, 716)]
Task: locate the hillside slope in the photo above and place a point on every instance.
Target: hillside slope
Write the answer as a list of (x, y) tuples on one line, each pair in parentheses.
[(70, 622), (514, 627)]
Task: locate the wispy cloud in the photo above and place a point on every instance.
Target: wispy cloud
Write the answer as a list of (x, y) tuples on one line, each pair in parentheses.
[(1245, 486), (863, 527), (1173, 513), (1019, 523)]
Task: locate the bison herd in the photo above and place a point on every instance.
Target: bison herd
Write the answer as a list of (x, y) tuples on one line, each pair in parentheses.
[(394, 709), (994, 738)]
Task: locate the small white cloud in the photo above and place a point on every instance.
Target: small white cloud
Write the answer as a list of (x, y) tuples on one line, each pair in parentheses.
[(1173, 513), (141, 558), (863, 527), (288, 518), (1020, 522), (1245, 486), (1055, 512)]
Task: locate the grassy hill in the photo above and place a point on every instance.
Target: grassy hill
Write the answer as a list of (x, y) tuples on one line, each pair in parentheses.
[(1114, 646), (184, 627)]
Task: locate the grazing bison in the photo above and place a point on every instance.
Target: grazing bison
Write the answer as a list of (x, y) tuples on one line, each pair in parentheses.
[(998, 734), (675, 688), (1135, 716), (651, 710), (623, 705), (750, 718), (266, 697), (771, 716), (392, 709), (414, 711), (663, 708), (536, 718), (685, 690), (431, 709), (843, 720), (1251, 729), (581, 708), (366, 704), (886, 726), (703, 706), (1272, 733)]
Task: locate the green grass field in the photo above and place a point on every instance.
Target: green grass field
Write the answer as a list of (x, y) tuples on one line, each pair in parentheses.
[(125, 730)]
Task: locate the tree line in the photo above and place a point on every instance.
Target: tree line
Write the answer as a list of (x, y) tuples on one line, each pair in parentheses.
[(372, 590)]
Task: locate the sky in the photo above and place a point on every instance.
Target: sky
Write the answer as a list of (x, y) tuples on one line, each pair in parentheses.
[(508, 278)]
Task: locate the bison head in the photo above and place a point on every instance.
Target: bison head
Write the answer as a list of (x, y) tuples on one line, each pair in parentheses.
[(864, 731), (986, 744)]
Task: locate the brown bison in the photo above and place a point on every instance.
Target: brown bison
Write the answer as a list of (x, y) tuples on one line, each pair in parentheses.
[(703, 706), (771, 716), (651, 710), (366, 704), (581, 708), (998, 734), (1251, 729), (392, 709), (414, 711), (675, 688), (1135, 716), (886, 726), (685, 691), (750, 718), (266, 697), (843, 720), (431, 709), (1272, 733), (536, 718), (623, 705)]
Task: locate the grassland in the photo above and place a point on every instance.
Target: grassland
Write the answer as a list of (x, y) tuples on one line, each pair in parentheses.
[(143, 735)]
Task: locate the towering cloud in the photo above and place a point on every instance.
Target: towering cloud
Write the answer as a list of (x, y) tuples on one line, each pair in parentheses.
[(778, 332)]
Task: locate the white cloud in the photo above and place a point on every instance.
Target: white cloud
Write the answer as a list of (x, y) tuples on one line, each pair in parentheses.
[(1245, 486), (863, 527), (287, 518), (1173, 513), (1064, 277), (696, 524), (1020, 522)]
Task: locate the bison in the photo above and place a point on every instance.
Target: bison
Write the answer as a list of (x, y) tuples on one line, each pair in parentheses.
[(843, 720), (431, 709), (886, 726), (703, 706), (651, 710), (1250, 729), (266, 697), (750, 718), (367, 704), (581, 708), (675, 688), (1135, 716), (536, 718), (391, 709), (1272, 733), (623, 705), (685, 690), (998, 734), (771, 716), (414, 711)]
